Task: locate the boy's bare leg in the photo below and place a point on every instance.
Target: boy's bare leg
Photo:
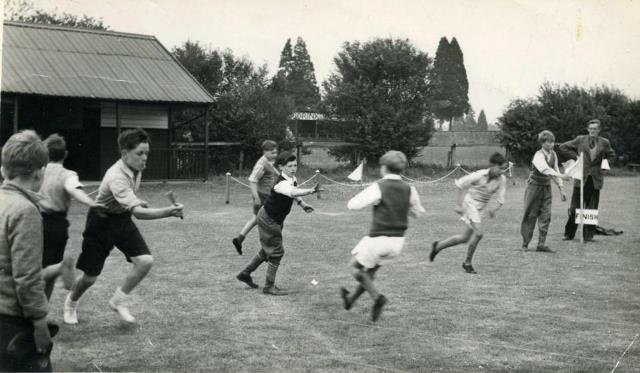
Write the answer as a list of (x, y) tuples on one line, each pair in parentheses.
[(141, 266), (249, 226), (454, 240), (351, 299), (49, 275)]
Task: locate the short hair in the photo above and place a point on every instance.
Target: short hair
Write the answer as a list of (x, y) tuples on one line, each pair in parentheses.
[(130, 139), (57, 147), (284, 158), (545, 136), (594, 120), (395, 161), (268, 145), (497, 159), (23, 154)]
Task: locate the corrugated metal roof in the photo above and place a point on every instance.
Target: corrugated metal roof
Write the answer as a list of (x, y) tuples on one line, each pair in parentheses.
[(62, 61)]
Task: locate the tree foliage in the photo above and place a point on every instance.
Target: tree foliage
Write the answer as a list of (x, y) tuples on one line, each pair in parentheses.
[(382, 87), (25, 11), (451, 87), (565, 110), (296, 78), (482, 121)]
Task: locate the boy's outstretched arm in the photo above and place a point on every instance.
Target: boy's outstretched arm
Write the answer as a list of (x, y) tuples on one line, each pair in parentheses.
[(370, 196), (150, 213), (81, 196)]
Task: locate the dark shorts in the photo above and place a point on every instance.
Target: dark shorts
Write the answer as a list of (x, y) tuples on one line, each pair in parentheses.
[(55, 231), (263, 199), (101, 234)]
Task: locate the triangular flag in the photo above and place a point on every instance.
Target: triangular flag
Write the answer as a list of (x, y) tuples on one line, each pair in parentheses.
[(605, 164), (573, 168), (356, 175)]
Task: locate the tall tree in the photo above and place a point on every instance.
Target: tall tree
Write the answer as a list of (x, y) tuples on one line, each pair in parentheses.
[(25, 11), (281, 79), (482, 121), (382, 87), (450, 81), (296, 76)]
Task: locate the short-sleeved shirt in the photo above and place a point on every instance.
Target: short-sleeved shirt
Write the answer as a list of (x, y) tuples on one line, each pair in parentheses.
[(264, 174), (57, 185), (118, 189), (481, 188)]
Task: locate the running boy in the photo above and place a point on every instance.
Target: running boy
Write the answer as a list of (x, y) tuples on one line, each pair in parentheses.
[(58, 187), (117, 192), (393, 202), (261, 181), (23, 304), (270, 222), (537, 197), (474, 192)]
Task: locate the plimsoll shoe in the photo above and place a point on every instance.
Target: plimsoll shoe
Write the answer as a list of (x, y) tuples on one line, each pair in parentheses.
[(544, 249), (274, 290), (377, 307), (468, 268), (70, 314), (120, 304), (247, 280), (344, 294)]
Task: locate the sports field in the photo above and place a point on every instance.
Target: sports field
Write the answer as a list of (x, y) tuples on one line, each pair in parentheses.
[(576, 310)]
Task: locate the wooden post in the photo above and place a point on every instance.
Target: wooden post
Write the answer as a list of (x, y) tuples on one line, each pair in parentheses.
[(15, 114), (170, 137), (582, 200), (117, 120), (206, 147), (228, 176), (318, 193)]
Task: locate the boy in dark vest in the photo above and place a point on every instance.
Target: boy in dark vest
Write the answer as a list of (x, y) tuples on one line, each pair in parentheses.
[(537, 197), (393, 201), (474, 193), (271, 218)]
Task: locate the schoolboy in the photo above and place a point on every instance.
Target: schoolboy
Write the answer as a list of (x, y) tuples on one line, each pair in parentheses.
[(271, 218), (393, 202), (474, 193), (117, 192)]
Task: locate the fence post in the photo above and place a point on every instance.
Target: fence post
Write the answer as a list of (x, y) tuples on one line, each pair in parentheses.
[(228, 177), (318, 193)]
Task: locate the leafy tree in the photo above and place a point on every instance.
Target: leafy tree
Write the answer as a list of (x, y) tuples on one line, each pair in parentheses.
[(25, 11), (451, 87), (382, 87), (565, 110), (296, 76), (482, 121)]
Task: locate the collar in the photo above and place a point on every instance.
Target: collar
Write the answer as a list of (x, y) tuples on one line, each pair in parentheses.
[(547, 153), (55, 164), (127, 171), (33, 197), (289, 179), (392, 177)]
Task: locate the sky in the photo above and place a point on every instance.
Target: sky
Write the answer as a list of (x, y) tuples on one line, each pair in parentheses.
[(510, 46)]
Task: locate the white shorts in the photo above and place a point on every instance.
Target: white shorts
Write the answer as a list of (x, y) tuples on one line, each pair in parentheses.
[(471, 212), (373, 251)]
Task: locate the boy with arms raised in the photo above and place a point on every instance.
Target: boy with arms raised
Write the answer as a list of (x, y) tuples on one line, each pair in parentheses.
[(23, 303), (393, 202), (261, 181), (58, 187), (271, 220), (114, 227), (537, 197), (474, 192)]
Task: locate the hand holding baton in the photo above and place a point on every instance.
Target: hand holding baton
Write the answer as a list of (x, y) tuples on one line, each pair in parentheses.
[(172, 198)]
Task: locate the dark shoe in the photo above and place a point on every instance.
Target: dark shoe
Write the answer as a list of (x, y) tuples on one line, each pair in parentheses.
[(567, 238), (544, 249), (468, 268), (377, 307), (238, 244), (525, 248), (247, 280), (434, 252), (274, 290), (344, 293)]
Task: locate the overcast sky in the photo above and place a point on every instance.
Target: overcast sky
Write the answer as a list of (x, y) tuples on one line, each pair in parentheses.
[(510, 47)]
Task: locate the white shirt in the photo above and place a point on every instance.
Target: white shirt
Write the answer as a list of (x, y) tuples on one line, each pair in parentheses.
[(285, 186), (481, 188), (540, 163), (372, 195)]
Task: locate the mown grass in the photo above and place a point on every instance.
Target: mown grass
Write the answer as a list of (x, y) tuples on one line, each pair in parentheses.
[(575, 310)]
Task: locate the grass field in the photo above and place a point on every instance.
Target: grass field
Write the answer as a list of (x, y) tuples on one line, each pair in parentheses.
[(576, 310)]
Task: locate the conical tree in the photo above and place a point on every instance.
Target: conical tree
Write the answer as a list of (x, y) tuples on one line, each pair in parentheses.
[(482, 121), (302, 81), (451, 86), (280, 80)]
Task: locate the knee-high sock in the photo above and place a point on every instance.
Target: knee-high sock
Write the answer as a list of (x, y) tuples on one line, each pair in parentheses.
[(254, 263), (272, 269)]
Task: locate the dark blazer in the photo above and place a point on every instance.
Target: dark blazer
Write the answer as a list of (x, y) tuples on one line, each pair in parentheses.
[(571, 149)]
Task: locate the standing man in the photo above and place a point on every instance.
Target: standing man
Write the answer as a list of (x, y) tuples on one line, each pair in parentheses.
[(595, 149), (261, 181)]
